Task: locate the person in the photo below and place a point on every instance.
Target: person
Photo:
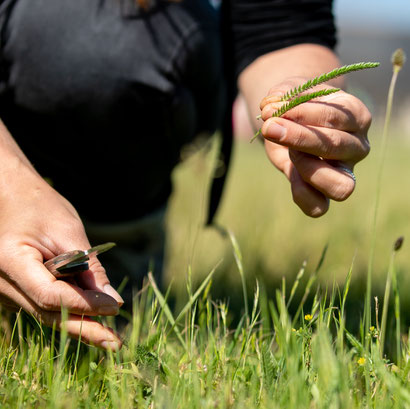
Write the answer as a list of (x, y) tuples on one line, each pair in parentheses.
[(100, 96)]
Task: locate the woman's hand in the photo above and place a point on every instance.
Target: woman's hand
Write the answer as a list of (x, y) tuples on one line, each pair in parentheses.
[(316, 145), (36, 224)]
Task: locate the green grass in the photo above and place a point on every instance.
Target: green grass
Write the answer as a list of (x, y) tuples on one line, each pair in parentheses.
[(264, 329), (197, 360), (275, 236)]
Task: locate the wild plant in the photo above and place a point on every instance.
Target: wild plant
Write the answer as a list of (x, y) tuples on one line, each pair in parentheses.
[(296, 96), (398, 59)]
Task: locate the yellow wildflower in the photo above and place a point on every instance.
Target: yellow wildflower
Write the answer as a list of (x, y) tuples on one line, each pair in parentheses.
[(361, 361), (308, 317)]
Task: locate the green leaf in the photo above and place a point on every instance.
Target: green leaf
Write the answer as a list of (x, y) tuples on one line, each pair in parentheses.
[(302, 99), (337, 72)]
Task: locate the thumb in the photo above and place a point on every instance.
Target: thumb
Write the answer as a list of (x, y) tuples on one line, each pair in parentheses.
[(95, 278)]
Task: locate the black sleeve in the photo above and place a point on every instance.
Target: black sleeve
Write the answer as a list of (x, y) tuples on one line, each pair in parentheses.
[(261, 26)]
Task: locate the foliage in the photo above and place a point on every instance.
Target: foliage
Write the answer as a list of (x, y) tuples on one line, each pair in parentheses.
[(337, 72), (268, 361)]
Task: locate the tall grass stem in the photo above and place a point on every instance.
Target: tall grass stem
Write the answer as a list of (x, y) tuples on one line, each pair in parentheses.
[(389, 106)]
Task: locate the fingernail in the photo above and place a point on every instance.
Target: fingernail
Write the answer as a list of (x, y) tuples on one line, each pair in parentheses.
[(272, 130), (271, 98), (111, 345), (275, 97), (108, 310), (108, 289)]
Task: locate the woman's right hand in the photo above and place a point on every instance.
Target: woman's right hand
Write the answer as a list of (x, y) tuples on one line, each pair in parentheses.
[(36, 224)]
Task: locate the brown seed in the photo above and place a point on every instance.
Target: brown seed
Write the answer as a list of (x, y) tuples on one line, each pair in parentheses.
[(398, 58), (398, 243)]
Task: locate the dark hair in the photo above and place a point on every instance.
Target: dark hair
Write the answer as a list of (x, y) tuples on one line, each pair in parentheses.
[(143, 3)]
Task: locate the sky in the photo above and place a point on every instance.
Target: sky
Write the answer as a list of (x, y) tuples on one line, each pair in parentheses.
[(386, 15)]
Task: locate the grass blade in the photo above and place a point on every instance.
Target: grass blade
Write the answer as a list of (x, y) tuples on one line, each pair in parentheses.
[(166, 309)]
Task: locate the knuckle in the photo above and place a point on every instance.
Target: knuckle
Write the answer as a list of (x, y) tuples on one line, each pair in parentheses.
[(365, 118), (295, 136), (46, 299), (295, 157), (269, 109), (77, 225), (267, 112), (363, 149), (333, 146), (8, 243), (94, 333), (71, 227), (297, 115), (361, 113), (96, 266), (282, 88), (366, 147), (99, 271), (75, 228), (98, 336), (329, 118), (273, 97)]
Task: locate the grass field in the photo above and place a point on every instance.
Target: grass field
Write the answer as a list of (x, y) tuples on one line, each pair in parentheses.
[(220, 339), (275, 236)]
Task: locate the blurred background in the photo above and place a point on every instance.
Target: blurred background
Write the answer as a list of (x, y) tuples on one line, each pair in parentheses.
[(274, 235), (370, 30)]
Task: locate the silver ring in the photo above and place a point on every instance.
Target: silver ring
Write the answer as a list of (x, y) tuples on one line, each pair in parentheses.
[(348, 171)]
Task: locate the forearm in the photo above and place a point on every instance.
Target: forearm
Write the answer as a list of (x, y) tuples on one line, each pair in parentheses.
[(12, 157), (18, 178), (304, 60)]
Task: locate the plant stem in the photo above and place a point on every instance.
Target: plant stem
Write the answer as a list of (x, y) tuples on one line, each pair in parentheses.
[(397, 314), (386, 303), (390, 96)]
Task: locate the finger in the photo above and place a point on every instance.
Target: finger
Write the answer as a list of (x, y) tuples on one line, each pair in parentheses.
[(96, 279), (278, 155), (49, 293), (279, 90), (319, 141), (335, 183), (274, 98), (338, 111), (311, 201), (90, 331)]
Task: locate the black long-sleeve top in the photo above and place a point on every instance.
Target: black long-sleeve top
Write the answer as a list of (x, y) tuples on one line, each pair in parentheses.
[(102, 95)]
